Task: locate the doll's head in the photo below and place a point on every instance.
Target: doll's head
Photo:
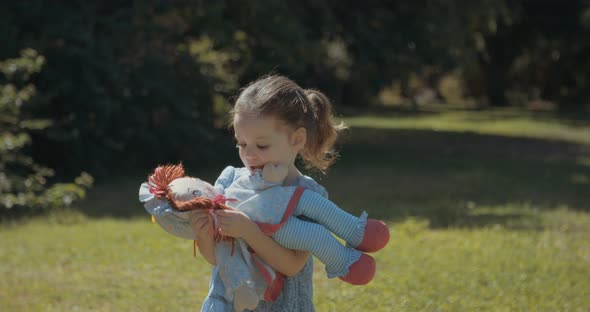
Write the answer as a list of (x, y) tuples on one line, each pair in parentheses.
[(169, 195), (183, 193)]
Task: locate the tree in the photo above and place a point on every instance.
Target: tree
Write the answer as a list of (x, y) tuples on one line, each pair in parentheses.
[(120, 85), (537, 49), (24, 184)]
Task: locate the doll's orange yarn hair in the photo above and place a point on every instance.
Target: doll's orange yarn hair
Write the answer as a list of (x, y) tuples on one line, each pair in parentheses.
[(163, 176)]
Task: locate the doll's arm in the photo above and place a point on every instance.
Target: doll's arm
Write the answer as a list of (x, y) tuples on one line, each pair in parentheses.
[(225, 179)]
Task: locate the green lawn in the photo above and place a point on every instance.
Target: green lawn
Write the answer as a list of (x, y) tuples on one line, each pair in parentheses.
[(489, 211)]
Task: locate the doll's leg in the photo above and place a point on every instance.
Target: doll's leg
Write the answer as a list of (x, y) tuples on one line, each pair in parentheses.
[(236, 275), (339, 259), (245, 298), (366, 235), (248, 294), (215, 300), (214, 303)]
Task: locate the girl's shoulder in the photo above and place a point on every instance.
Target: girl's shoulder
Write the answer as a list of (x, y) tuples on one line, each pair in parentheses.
[(310, 184)]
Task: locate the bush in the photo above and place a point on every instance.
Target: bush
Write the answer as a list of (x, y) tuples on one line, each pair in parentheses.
[(24, 184)]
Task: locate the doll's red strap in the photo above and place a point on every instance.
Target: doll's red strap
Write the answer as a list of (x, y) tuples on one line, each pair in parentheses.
[(270, 229), (273, 285)]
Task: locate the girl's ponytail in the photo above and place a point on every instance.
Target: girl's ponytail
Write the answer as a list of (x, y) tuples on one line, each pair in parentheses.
[(321, 133), (280, 97)]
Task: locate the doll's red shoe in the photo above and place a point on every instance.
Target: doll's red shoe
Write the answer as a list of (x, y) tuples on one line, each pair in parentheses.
[(361, 272), (376, 236)]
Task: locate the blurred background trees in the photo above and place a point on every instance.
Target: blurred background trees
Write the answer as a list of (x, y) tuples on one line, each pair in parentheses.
[(24, 185), (130, 84)]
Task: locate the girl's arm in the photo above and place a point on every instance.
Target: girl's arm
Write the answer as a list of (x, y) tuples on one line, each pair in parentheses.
[(235, 223), (286, 261), (207, 250), (200, 224)]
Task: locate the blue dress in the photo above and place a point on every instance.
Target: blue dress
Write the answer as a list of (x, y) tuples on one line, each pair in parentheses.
[(297, 293)]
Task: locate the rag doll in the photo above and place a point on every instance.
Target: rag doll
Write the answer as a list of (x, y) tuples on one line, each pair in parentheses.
[(169, 195)]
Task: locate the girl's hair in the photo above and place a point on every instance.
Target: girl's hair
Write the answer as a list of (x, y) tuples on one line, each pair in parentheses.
[(284, 99)]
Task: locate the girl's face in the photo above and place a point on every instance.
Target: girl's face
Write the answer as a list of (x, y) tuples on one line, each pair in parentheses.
[(264, 140)]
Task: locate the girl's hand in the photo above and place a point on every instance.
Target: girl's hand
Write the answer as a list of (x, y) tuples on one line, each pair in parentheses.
[(202, 228), (235, 223), (200, 224)]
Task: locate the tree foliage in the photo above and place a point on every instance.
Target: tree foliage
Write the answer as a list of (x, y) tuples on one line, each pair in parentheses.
[(140, 82), (25, 185), (532, 50), (120, 86)]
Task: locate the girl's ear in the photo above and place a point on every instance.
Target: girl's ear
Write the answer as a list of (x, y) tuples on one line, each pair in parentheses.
[(298, 138)]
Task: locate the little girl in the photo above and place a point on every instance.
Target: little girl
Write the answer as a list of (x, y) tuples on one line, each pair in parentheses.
[(275, 120)]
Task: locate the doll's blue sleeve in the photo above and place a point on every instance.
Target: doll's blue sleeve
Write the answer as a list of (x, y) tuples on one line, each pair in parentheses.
[(225, 179), (310, 184)]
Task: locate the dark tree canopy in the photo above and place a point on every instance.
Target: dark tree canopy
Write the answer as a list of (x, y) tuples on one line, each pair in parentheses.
[(139, 82)]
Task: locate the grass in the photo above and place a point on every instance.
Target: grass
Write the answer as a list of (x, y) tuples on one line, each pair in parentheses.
[(471, 270), (482, 220), (505, 122)]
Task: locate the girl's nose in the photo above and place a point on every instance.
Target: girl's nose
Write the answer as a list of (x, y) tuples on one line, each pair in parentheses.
[(249, 152)]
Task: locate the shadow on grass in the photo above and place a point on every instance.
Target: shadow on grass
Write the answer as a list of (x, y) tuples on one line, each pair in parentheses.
[(444, 177)]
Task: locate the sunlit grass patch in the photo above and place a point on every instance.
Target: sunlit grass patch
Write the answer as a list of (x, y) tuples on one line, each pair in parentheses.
[(497, 122), (470, 270), (101, 265), (132, 265)]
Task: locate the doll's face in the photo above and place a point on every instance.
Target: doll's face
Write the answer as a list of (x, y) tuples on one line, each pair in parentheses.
[(187, 188), (264, 140)]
